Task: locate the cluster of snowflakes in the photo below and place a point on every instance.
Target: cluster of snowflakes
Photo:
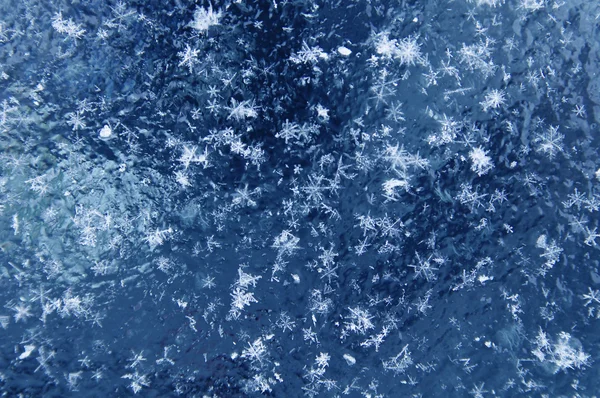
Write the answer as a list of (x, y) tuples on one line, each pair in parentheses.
[(300, 197)]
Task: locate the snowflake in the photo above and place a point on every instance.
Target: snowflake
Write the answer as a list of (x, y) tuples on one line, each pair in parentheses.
[(315, 188), (551, 251), (575, 199), (367, 223), (482, 163), (285, 322), (491, 3), (240, 299), (208, 282), (74, 305), (69, 27), (470, 197), (76, 120), (164, 264), (286, 244), (478, 57), (478, 391), (395, 112), (136, 359), (188, 57), (259, 383), (245, 280), (328, 256), (309, 335), (493, 100), (157, 237), (189, 156), (592, 235), (243, 196), (322, 113), (592, 296), (389, 188), (289, 131), (22, 312), (400, 160), (408, 51), (241, 110), (384, 46), (299, 134), (376, 340), (565, 353), (322, 360), (205, 18), (399, 363), (424, 269), (137, 381), (182, 179), (256, 351), (308, 55), (360, 321), (319, 304), (549, 142), (531, 5), (383, 88)]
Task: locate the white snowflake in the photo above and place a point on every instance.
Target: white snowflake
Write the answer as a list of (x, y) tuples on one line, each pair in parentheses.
[(549, 142), (482, 163), (359, 321), (205, 18), (494, 99), (189, 57), (408, 51), (255, 351), (22, 312)]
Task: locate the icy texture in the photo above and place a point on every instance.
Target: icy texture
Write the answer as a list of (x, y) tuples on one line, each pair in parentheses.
[(299, 198)]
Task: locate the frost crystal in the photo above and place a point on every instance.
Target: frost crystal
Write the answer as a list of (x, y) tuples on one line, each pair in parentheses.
[(204, 18), (481, 162)]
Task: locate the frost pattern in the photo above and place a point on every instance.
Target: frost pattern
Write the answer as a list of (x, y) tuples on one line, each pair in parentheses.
[(311, 198)]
